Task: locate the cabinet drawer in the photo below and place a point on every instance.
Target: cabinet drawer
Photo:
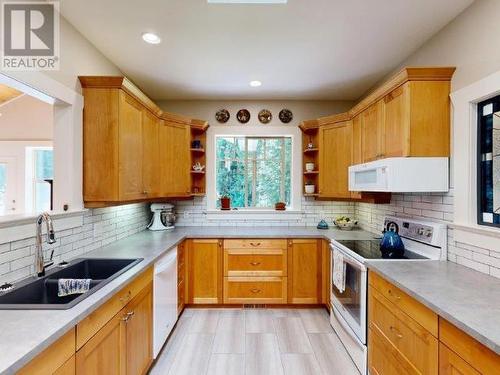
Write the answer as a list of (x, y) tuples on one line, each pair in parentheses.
[(424, 316), (476, 354), (250, 262), (255, 290), (255, 244), (383, 359), (89, 326), (413, 341)]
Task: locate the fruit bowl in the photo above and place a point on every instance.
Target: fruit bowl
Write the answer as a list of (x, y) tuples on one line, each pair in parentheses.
[(345, 223)]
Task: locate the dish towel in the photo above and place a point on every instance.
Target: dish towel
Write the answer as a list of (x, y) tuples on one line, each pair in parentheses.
[(66, 287), (338, 270)]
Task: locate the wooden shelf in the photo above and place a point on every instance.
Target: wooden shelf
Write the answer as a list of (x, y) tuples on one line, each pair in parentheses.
[(198, 150), (197, 194), (311, 173), (197, 172), (311, 195), (310, 150)]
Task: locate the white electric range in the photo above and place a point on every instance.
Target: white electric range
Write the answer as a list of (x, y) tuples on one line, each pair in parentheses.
[(423, 241)]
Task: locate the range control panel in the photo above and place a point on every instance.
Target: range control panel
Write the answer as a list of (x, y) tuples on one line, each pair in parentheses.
[(422, 232)]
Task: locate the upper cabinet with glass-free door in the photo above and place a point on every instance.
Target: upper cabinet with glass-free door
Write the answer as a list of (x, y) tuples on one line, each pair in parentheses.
[(407, 116), (130, 151)]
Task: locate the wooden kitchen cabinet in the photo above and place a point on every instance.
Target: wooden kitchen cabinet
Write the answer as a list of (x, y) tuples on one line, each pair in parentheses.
[(468, 356), (139, 332), (181, 277), (57, 359), (305, 271), (130, 153), (335, 155), (105, 352), (151, 154), (132, 150), (175, 160), (372, 133), (204, 271), (452, 364)]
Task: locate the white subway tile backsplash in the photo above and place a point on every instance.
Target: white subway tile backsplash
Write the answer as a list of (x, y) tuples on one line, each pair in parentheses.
[(75, 236), (434, 207)]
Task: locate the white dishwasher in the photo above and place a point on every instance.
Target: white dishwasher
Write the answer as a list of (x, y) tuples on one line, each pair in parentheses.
[(164, 299)]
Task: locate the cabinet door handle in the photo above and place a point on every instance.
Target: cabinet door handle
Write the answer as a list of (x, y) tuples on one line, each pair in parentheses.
[(145, 192), (396, 332), (254, 263), (255, 244), (255, 290)]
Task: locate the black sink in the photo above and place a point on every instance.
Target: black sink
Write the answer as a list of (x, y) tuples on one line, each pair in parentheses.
[(41, 293)]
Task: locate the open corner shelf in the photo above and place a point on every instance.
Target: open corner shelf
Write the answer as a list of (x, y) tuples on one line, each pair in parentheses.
[(198, 150), (310, 150), (311, 195)]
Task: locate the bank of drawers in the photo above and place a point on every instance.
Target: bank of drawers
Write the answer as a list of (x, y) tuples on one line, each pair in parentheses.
[(255, 271), (402, 332)]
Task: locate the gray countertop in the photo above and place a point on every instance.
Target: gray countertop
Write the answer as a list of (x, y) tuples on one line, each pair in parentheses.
[(26, 333), (467, 298)]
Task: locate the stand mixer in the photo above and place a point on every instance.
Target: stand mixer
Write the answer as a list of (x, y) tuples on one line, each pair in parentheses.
[(163, 216)]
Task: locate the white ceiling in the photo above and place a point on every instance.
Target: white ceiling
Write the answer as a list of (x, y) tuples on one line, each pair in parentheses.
[(306, 49)]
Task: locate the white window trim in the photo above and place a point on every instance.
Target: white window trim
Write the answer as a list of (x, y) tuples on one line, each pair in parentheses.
[(465, 129), (255, 131)]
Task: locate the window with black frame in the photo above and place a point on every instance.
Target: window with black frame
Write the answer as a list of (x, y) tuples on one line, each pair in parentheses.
[(489, 162)]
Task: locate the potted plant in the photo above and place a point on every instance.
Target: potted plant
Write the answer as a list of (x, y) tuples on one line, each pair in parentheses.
[(280, 206), (225, 202), (310, 187)]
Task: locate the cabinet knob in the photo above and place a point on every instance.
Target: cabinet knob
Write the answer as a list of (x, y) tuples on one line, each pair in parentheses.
[(254, 263), (145, 192), (126, 297), (255, 290), (254, 244)]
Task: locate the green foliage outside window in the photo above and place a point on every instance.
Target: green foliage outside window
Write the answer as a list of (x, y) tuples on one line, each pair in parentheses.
[(254, 172)]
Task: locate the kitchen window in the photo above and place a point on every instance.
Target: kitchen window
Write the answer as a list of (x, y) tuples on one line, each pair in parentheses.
[(43, 177), (255, 172), (489, 162)]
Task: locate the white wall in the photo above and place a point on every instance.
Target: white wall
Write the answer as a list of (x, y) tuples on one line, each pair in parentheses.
[(469, 42), (26, 118), (79, 57), (302, 110)]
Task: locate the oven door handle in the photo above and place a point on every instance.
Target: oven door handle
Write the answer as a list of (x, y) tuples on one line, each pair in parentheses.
[(348, 258)]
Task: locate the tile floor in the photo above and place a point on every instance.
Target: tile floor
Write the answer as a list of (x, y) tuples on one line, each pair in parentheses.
[(253, 342)]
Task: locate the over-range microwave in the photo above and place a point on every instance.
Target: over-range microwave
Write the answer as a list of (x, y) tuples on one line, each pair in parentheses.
[(401, 175)]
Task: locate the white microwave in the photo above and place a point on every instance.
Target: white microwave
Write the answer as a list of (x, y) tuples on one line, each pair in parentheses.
[(401, 175)]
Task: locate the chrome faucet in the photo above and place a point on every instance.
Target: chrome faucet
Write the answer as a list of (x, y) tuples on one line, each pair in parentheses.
[(40, 263)]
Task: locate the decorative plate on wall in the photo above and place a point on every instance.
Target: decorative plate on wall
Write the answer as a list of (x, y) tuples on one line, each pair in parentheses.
[(243, 116), (222, 116), (265, 116), (286, 116)]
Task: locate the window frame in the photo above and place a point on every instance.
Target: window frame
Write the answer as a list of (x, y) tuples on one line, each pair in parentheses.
[(292, 132), (495, 107), (253, 162), (34, 177)]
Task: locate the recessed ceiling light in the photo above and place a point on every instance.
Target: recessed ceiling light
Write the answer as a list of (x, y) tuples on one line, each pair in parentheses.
[(151, 38), (247, 1), (255, 83)]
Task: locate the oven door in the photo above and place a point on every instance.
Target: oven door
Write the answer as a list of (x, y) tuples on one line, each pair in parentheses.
[(351, 303)]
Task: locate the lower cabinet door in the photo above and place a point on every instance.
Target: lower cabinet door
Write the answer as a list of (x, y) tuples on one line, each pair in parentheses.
[(139, 332), (255, 290), (380, 359), (304, 271), (68, 368), (105, 352), (451, 364)]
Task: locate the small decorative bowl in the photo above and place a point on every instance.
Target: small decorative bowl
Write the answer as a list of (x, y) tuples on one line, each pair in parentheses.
[(346, 225)]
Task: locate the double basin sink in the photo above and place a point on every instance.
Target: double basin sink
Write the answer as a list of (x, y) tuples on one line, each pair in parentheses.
[(41, 293)]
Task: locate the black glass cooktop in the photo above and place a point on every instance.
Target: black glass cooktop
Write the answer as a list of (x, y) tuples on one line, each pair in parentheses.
[(370, 249)]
